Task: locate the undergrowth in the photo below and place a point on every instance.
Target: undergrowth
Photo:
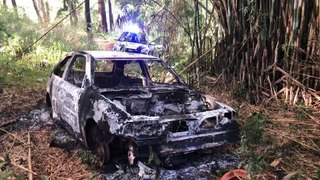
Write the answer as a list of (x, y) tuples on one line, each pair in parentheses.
[(251, 137), (23, 65), (5, 172), (86, 157)]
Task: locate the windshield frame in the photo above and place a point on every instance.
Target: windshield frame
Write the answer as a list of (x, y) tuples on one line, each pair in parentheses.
[(145, 71)]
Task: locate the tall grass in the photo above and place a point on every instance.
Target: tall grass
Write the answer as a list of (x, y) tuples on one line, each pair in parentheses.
[(21, 66)]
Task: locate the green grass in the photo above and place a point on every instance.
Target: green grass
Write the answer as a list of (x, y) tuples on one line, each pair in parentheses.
[(5, 172), (86, 157)]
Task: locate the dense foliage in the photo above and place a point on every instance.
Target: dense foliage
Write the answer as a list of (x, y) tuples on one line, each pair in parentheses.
[(21, 60)]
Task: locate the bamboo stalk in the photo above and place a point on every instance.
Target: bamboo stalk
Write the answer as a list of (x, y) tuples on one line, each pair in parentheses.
[(29, 158), (289, 25), (293, 139)]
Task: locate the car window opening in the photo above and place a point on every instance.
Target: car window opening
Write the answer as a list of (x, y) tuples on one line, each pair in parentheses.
[(76, 73), (130, 73)]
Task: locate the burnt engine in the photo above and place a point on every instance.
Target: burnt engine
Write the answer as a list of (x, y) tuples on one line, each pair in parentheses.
[(158, 103)]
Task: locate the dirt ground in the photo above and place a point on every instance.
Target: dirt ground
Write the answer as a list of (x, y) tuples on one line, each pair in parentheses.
[(56, 155), (292, 148)]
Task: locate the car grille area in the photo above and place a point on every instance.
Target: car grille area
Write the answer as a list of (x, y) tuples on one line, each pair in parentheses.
[(179, 126)]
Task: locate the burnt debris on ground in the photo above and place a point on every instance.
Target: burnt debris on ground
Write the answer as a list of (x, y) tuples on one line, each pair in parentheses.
[(196, 166), (35, 119)]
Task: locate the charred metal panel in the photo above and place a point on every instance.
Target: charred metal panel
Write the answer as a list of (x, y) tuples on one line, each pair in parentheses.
[(105, 110)]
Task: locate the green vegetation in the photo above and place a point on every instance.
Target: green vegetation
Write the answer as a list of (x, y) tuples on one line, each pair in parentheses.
[(5, 172), (23, 65), (251, 138), (251, 132), (86, 157)]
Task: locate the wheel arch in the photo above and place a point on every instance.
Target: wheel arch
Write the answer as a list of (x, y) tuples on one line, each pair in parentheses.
[(103, 128), (90, 123)]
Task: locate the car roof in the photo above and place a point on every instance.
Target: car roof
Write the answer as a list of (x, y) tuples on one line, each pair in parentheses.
[(115, 55)]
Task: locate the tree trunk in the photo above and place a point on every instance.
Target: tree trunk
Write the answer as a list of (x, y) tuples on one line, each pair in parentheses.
[(14, 5), (73, 15), (88, 19), (37, 10), (196, 39), (47, 11), (44, 9), (110, 15), (4, 3), (103, 19)]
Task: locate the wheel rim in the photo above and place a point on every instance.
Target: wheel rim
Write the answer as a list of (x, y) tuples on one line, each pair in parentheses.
[(132, 154)]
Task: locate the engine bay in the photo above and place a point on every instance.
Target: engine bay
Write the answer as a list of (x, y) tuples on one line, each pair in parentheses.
[(159, 102)]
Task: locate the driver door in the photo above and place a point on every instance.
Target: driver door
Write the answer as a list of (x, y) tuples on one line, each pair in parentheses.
[(71, 89)]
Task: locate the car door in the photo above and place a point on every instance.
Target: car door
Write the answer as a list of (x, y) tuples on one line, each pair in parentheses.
[(72, 87), (53, 87)]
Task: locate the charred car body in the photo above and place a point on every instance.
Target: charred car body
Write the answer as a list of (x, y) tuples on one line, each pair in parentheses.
[(114, 99)]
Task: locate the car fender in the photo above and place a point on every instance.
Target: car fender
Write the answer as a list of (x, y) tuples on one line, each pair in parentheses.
[(107, 114)]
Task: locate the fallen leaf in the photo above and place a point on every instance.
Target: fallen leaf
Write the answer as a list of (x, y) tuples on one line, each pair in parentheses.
[(275, 162)]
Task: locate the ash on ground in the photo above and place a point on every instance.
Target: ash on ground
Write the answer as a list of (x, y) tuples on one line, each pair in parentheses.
[(35, 119), (40, 118), (194, 166)]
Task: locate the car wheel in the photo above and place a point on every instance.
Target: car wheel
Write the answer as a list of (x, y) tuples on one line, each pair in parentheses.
[(123, 49), (101, 148), (103, 153), (49, 105)]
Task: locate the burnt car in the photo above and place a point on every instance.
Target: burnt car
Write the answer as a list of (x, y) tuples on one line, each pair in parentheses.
[(126, 102)]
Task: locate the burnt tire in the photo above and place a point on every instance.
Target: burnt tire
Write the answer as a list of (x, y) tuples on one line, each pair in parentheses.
[(103, 153), (98, 145), (49, 105)]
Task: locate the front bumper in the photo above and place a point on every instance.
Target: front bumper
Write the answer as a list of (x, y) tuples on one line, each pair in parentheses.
[(138, 50), (188, 144), (132, 50), (184, 133)]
